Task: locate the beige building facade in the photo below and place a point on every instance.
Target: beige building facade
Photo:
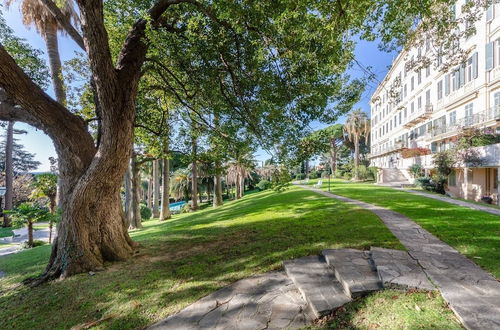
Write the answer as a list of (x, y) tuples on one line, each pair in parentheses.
[(433, 107)]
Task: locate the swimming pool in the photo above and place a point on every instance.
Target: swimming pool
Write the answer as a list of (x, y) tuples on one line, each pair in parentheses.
[(177, 206)]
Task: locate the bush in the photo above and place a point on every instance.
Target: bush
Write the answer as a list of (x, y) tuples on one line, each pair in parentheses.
[(416, 170), (372, 173), (434, 184), (263, 185), (300, 176), (314, 175), (145, 212), (186, 208), (36, 243), (325, 174)]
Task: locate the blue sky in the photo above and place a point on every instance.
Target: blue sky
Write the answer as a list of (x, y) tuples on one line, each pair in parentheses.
[(38, 143)]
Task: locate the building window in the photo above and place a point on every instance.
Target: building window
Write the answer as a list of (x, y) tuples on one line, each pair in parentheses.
[(412, 83), (427, 71), (489, 56), (400, 117), (419, 103), (469, 114), (453, 118), (419, 77), (404, 91), (447, 84), (412, 107), (496, 99), (452, 179), (440, 89), (405, 113), (470, 176), (428, 97), (490, 13)]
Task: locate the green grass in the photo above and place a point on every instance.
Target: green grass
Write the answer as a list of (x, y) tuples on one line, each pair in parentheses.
[(186, 258), (473, 233), (390, 309), (456, 198)]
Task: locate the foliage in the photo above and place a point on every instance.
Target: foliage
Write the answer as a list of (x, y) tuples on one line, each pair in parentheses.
[(414, 152), (27, 57), (300, 176), (22, 188), (263, 185), (444, 161), (433, 184), (416, 170), (45, 185), (314, 175), (23, 161), (281, 179), (180, 184), (146, 212), (35, 244), (28, 212)]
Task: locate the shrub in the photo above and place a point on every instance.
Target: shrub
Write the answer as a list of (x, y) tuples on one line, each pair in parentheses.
[(186, 208), (372, 173), (263, 185), (314, 175), (434, 184), (300, 176), (145, 212), (35, 243), (416, 170), (325, 174)]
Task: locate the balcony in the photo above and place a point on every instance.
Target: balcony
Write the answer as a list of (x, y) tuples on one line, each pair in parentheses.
[(477, 119), (389, 150), (420, 116)]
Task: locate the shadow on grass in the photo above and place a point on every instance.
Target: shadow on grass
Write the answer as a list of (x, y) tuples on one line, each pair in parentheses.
[(190, 256)]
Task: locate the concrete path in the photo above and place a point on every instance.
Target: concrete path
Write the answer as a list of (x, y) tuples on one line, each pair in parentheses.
[(472, 293), (447, 199), (20, 236), (267, 301)]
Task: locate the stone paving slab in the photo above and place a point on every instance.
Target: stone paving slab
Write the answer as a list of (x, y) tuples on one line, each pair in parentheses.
[(397, 269), (267, 301), (447, 199), (471, 293), (354, 270), (316, 281)]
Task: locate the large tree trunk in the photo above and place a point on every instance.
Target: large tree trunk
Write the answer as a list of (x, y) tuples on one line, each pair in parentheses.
[(333, 155), (9, 172), (150, 193), (51, 41), (156, 189), (52, 210), (135, 209), (237, 186), (242, 185), (165, 196)]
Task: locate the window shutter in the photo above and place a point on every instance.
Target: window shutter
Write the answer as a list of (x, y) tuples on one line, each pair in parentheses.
[(447, 84), (474, 66), (489, 56)]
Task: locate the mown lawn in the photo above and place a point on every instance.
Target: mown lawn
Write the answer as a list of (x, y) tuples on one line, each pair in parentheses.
[(473, 233), (186, 258)]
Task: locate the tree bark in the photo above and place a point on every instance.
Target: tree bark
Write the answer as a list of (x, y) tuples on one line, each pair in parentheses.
[(128, 195), (333, 156), (52, 210), (165, 196), (217, 186), (9, 172), (194, 172), (150, 193), (51, 41), (30, 233), (135, 210), (356, 157), (156, 189)]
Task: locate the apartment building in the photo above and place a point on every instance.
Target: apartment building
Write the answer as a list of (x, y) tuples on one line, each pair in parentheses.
[(432, 107)]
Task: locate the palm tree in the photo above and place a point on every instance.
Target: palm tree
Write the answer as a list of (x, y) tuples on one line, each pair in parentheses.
[(35, 13), (180, 184), (357, 126), (238, 170), (46, 186)]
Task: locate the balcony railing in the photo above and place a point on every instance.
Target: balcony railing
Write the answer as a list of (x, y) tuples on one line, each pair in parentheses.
[(390, 149), (479, 118), (420, 116)]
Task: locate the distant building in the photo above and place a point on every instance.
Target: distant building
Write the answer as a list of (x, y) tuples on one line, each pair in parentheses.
[(432, 107)]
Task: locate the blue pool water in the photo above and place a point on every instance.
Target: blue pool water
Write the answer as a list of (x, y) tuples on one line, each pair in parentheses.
[(177, 206)]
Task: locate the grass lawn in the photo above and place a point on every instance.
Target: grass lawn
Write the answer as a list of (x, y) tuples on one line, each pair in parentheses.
[(6, 232), (186, 258), (475, 234)]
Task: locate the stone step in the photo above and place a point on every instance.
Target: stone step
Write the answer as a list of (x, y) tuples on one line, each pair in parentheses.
[(354, 269), (317, 284), (397, 269)]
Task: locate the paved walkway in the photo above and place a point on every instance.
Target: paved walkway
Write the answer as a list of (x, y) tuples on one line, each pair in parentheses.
[(472, 294), (21, 236), (447, 199), (267, 301)]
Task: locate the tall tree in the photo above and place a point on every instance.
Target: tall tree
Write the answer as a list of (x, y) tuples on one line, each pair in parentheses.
[(283, 73), (9, 172), (357, 125), (35, 13), (156, 188)]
